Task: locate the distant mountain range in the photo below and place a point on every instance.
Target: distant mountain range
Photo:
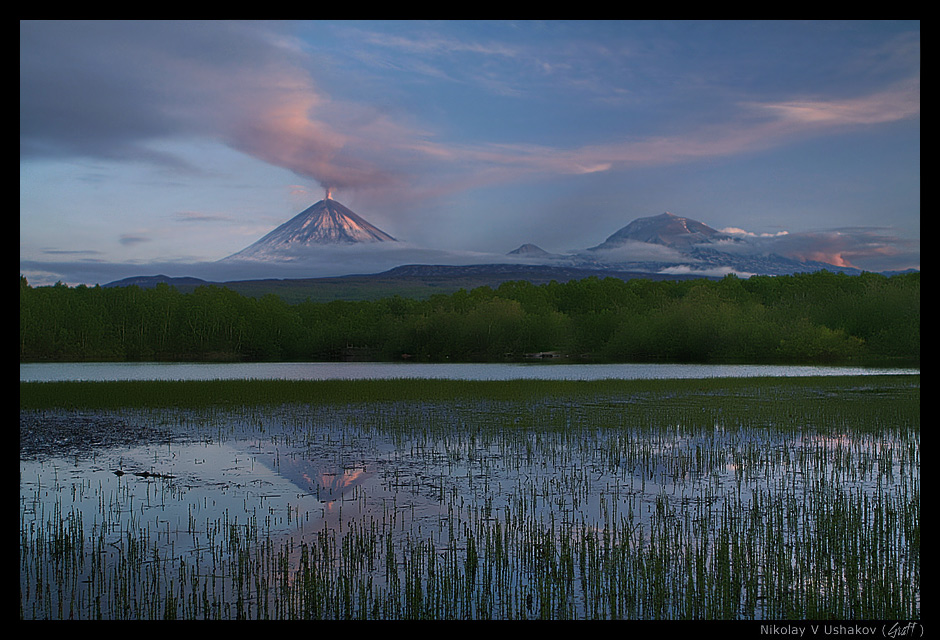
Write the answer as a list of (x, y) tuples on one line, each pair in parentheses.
[(409, 281), (665, 246), (668, 243), (665, 243)]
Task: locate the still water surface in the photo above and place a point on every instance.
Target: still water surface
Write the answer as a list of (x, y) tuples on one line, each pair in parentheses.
[(208, 487), (94, 371)]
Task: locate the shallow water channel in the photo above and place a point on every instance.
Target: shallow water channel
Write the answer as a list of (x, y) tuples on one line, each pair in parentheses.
[(612, 508)]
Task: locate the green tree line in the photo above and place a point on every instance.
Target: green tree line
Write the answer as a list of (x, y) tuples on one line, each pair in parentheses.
[(819, 317)]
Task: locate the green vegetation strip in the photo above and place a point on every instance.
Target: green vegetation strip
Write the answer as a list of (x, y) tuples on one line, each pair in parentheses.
[(220, 393), (815, 318)]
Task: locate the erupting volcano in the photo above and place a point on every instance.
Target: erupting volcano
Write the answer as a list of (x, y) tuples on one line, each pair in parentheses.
[(326, 222)]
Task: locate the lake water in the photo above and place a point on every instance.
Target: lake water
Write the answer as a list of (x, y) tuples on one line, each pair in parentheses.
[(94, 371), (512, 509), (616, 508)]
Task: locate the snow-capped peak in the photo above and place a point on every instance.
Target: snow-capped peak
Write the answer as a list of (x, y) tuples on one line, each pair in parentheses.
[(326, 222)]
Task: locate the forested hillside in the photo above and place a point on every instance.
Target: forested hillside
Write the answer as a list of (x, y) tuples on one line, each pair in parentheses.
[(808, 318)]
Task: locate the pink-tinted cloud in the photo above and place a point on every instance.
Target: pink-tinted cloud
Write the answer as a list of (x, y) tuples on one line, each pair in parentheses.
[(866, 248), (898, 103), (757, 126), (850, 247), (112, 90)]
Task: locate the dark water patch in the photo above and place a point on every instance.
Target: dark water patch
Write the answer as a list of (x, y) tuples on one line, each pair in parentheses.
[(44, 433)]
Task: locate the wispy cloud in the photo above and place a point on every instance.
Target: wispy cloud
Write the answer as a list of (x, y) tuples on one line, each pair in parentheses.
[(200, 216), (898, 103), (735, 231), (129, 239), (779, 124), (71, 252), (430, 42)]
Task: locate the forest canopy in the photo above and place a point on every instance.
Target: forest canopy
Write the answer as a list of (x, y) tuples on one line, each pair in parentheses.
[(812, 318)]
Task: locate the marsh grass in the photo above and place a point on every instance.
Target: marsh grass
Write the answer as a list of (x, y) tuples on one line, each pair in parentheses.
[(702, 499)]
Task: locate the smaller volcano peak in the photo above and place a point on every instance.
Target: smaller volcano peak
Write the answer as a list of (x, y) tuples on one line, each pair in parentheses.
[(528, 249)]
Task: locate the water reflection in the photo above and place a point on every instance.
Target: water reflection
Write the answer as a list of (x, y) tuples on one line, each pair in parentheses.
[(392, 483)]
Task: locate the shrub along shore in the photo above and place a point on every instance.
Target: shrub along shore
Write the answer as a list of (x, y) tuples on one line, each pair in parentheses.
[(814, 318)]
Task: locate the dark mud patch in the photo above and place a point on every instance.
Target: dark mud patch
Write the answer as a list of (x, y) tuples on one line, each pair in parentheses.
[(76, 433)]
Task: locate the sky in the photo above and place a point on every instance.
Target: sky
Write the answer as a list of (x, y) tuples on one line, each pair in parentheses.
[(162, 147)]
